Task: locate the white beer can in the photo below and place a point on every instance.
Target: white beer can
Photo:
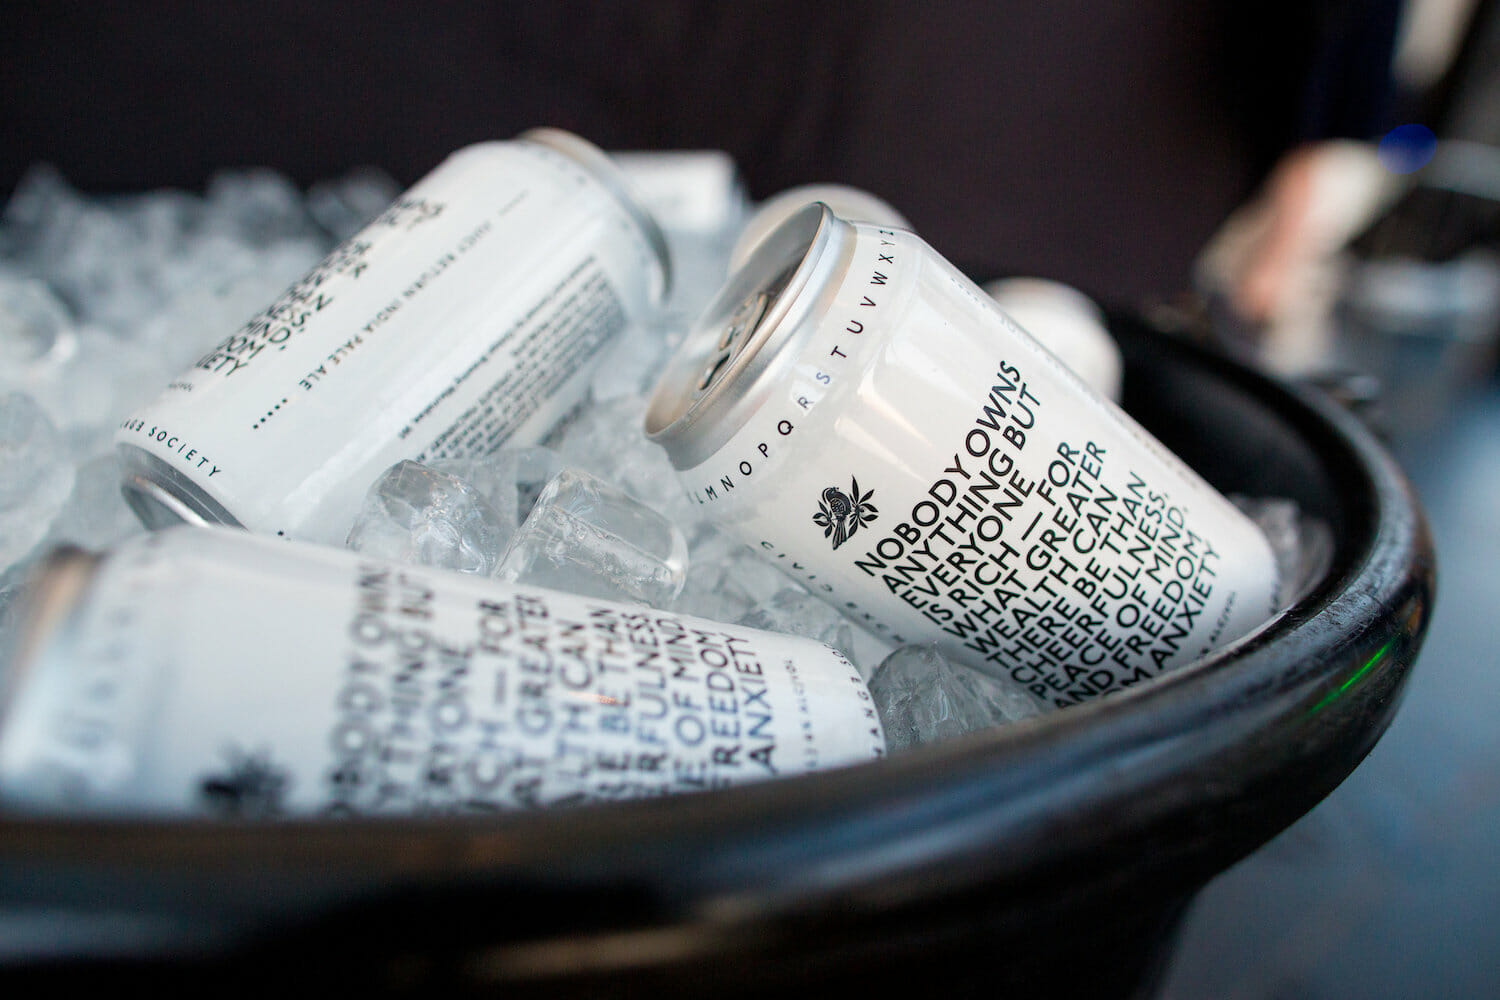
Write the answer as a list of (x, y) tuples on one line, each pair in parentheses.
[(466, 316), (860, 412), (204, 670)]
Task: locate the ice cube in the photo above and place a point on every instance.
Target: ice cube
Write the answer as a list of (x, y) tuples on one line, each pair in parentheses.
[(114, 261), (343, 206), (34, 479), (1301, 543), (210, 262), (697, 191), (256, 206), (31, 319), (12, 585), (631, 364), (91, 259), (43, 203), (88, 383), (104, 381), (606, 440), (95, 515), (586, 537), (510, 480), (214, 288), (163, 221), (795, 610), (726, 579), (699, 262), (418, 515), (924, 698)]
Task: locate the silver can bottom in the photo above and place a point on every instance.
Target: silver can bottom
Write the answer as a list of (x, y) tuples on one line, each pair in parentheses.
[(161, 496)]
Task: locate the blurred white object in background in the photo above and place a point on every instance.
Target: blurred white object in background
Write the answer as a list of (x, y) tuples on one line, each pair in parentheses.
[(1428, 39), (1067, 323), (694, 189), (851, 204), (1342, 187), (697, 198), (1381, 274)]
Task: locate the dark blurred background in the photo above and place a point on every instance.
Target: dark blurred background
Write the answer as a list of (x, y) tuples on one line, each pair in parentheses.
[(1098, 144), (1101, 144)]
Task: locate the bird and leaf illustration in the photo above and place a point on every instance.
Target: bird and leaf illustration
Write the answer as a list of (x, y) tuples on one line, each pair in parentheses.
[(841, 514)]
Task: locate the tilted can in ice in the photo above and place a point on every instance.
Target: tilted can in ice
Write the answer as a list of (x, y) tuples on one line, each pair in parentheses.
[(466, 316), (206, 670), (866, 417)]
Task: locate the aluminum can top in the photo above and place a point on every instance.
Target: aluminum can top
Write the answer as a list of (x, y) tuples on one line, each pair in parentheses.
[(733, 354)]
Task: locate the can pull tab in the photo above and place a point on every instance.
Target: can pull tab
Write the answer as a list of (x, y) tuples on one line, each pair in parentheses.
[(742, 322)]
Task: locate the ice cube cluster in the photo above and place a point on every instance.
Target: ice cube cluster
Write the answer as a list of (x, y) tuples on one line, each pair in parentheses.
[(924, 698), (104, 300)]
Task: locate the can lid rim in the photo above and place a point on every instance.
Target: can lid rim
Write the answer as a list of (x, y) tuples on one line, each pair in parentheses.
[(694, 411), (603, 169)]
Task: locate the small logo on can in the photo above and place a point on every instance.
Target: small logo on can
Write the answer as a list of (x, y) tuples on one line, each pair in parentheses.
[(841, 514)]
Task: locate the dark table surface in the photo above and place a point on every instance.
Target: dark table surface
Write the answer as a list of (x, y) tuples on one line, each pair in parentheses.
[(1391, 887)]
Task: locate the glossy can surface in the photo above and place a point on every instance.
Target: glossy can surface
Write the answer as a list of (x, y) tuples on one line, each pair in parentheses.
[(209, 671), (860, 412), (466, 316)]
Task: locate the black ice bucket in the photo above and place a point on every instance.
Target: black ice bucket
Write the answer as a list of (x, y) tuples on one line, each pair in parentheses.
[(1051, 856)]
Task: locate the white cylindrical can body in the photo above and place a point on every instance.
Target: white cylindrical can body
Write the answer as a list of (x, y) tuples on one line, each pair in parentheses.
[(465, 317), (906, 450), (206, 670)]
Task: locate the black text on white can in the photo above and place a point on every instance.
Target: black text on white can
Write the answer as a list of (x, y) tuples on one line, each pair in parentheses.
[(466, 316), (859, 411)]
